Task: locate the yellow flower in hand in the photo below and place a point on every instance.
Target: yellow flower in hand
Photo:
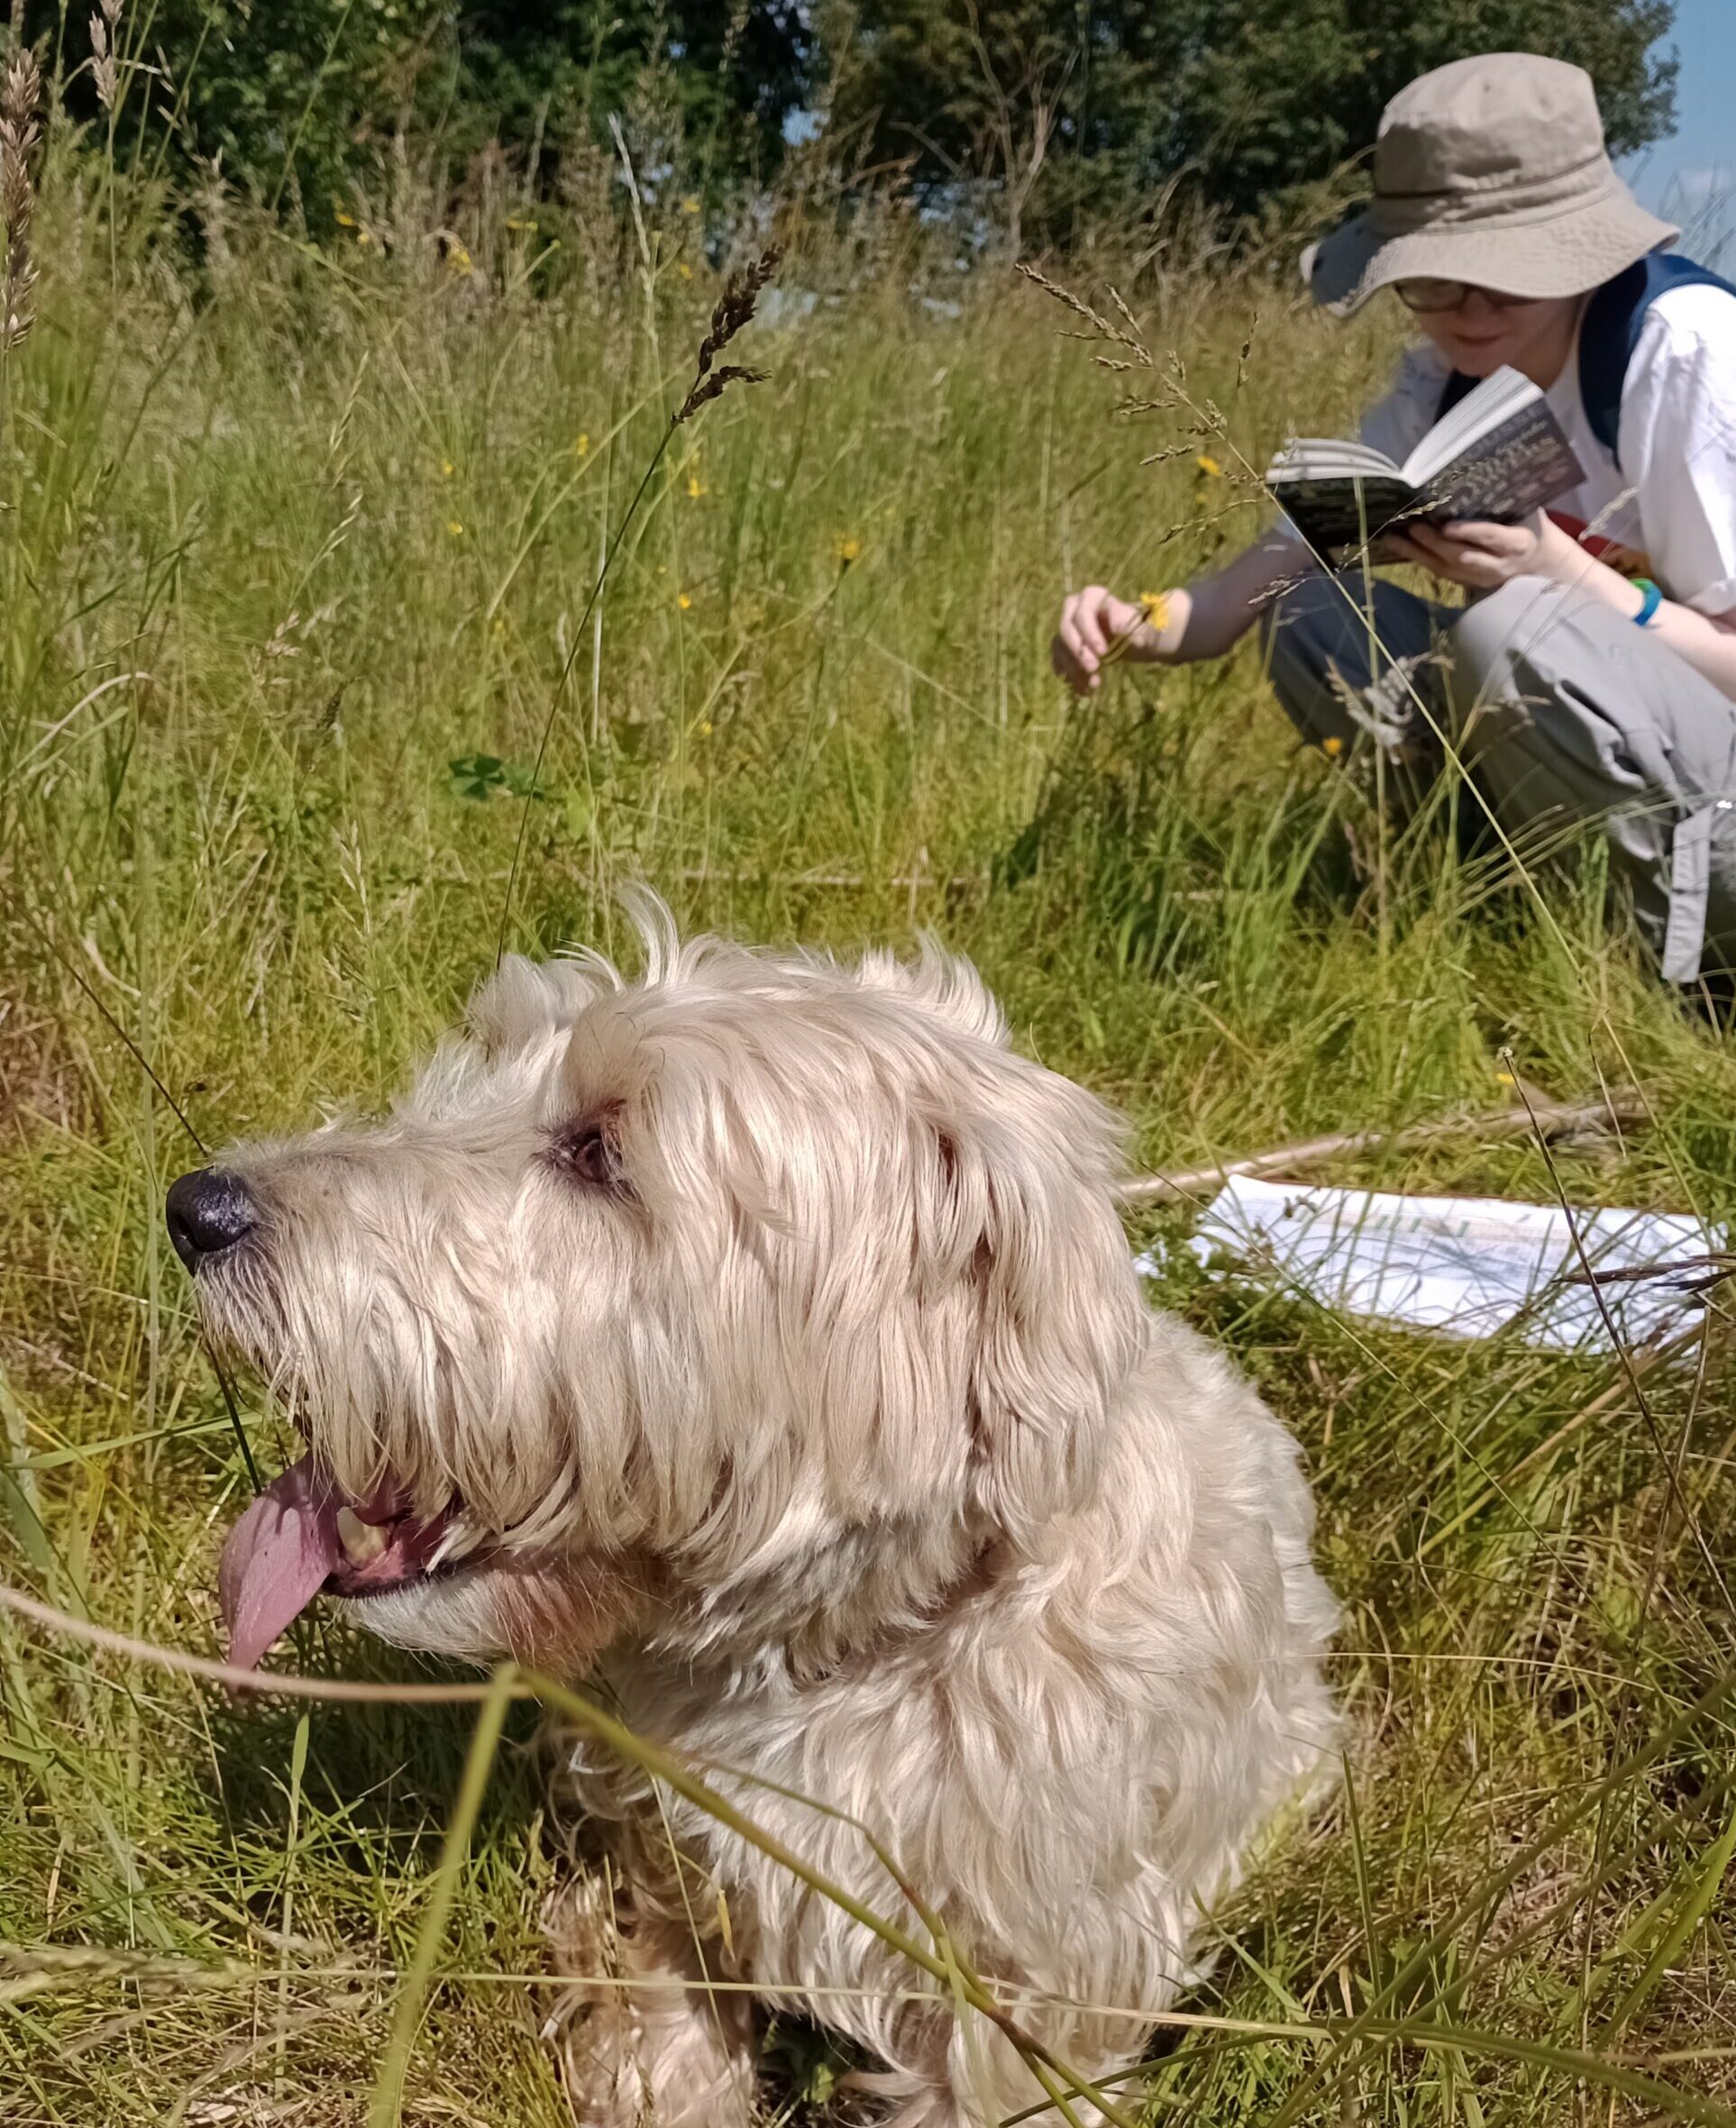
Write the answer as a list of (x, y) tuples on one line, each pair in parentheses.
[(1157, 610)]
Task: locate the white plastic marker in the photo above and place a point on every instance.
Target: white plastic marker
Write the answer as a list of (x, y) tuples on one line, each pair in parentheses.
[(1462, 1266)]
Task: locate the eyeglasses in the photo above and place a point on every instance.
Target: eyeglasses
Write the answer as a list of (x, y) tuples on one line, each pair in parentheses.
[(1426, 296)]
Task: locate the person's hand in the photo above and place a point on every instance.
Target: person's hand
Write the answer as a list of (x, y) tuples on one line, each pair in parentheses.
[(1483, 556), (1099, 629)]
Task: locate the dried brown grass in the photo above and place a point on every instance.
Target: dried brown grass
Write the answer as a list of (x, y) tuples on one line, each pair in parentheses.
[(20, 93)]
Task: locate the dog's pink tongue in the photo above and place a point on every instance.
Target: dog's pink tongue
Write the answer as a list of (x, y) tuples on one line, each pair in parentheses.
[(276, 1559)]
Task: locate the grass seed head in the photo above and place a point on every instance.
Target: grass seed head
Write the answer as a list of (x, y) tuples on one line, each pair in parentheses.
[(104, 71), (734, 310), (19, 132)]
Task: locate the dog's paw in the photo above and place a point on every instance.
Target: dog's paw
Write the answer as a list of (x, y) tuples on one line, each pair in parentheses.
[(640, 2045), (622, 2071), (599, 2072)]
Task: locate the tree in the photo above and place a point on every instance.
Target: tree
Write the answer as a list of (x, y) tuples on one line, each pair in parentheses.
[(1092, 105), (1047, 113), (727, 71), (297, 92)]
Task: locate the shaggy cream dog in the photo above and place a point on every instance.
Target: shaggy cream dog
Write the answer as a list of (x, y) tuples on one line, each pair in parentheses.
[(760, 1336)]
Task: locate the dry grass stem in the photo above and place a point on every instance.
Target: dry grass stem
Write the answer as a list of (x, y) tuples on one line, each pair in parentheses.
[(340, 1690), (734, 310), (1551, 1121), (1127, 335)]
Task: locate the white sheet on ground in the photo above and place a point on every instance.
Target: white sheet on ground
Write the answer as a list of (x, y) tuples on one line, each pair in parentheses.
[(1460, 1266)]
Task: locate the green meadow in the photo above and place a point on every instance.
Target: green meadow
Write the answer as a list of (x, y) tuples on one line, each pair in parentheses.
[(301, 673)]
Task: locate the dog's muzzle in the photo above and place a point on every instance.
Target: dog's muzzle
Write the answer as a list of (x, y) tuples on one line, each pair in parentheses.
[(206, 1212)]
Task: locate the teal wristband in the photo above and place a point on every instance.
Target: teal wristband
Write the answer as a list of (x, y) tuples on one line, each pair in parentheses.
[(1654, 598)]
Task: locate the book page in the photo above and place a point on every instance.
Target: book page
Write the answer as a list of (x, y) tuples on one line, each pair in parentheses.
[(1328, 458), (1483, 409)]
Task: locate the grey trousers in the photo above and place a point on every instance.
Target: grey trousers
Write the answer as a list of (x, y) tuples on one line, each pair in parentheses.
[(1566, 716)]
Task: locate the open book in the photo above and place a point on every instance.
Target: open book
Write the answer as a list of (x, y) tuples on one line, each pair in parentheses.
[(1500, 453)]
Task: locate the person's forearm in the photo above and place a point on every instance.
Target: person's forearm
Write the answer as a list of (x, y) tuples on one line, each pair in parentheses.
[(1708, 645), (1207, 617)]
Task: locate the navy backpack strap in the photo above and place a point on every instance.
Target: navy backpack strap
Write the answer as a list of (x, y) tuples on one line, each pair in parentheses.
[(1610, 331)]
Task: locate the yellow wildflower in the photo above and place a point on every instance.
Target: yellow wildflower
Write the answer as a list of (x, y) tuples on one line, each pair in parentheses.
[(1156, 609), (580, 444), (362, 237), (705, 729), (849, 550), (345, 221), (524, 227), (684, 269), (690, 205), (683, 600), (455, 527), (446, 468), (1209, 467), (696, 487), (1503, 1079), (458, 260), (1332, 746)]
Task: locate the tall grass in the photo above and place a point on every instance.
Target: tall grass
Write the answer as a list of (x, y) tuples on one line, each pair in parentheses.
[(293, 554)]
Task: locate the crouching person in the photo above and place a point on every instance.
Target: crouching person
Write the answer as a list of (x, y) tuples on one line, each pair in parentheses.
[(1591, 678)]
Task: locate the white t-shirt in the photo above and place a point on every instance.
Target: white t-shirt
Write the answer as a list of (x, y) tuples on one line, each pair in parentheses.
[(1668, 510)]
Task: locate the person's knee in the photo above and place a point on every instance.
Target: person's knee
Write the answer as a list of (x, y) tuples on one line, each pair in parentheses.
[(1488, 635)]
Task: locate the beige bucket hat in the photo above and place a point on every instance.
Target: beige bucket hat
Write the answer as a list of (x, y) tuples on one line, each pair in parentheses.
[(1491, 171)]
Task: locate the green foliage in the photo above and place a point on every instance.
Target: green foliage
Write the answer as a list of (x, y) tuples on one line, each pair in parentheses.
[(283, 94), (721, 76), (293, 545), (480, 775), (298, 95), (1091, 107), (1049, 117)]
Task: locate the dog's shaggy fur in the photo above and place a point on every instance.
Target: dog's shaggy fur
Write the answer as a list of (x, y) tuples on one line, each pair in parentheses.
[(761, 1335)]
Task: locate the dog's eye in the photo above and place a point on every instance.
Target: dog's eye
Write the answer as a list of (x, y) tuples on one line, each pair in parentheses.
[(587, 1153)]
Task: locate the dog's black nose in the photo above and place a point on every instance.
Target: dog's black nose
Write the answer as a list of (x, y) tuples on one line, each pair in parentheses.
[(207, 1211)]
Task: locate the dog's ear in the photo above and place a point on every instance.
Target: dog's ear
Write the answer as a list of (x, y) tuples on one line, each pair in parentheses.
[(939, 982), (1022, 1186)]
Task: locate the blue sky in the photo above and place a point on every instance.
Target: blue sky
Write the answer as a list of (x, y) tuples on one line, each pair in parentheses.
[(1697, 167)]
